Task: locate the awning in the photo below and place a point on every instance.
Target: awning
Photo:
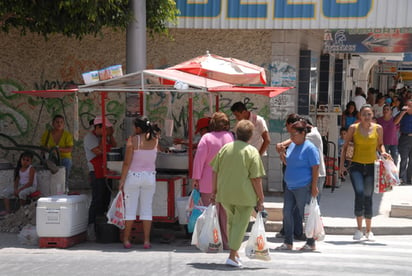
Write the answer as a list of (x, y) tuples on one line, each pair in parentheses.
[(159, 81), (264, 90)]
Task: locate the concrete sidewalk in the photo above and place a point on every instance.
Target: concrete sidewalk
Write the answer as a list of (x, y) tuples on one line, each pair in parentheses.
[(337, 211)]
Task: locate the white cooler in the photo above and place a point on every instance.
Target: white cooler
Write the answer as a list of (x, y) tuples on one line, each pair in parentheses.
[(61, 215)]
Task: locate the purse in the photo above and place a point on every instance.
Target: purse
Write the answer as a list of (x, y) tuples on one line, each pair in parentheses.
[(349, 151)]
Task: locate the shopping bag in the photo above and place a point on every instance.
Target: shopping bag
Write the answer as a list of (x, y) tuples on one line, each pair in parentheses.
[(313, 221), (194, 209), (391, 172), (257, 246), (383, 181), (207, 236), (28, 235), (116, 213)]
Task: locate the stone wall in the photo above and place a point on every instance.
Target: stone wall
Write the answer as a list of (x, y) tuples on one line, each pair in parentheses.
[(30, 62)]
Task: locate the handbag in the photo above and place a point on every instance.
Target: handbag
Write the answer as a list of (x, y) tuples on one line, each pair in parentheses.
[(116, 214), (349, 151), (207, 236), (257, 246), (194, 209), (313, 221)]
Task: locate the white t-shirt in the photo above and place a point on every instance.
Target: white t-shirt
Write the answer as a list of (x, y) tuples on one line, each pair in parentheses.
[(377, 110), (90, 141), (359, 101), (260, 128), (314, 137)]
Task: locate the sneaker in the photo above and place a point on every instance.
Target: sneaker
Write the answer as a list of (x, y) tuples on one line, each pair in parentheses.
[(358, 235), (370, 236), (232, 263), (91, 232)]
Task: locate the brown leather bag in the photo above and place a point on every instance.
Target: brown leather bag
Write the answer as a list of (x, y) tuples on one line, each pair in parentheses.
[(349, 151)]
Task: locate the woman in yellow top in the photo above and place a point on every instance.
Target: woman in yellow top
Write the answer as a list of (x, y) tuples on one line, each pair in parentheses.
[(61, 138), (367, 137)]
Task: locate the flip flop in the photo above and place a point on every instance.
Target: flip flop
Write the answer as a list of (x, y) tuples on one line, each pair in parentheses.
[(307, 248), (284, 246)]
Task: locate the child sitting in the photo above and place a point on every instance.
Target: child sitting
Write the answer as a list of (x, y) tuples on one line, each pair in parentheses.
[(25, 182)]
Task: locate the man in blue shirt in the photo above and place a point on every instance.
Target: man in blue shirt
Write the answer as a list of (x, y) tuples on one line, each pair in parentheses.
[(404, 119)]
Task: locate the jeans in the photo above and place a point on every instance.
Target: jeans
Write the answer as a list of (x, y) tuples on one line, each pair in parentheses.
[(100, 197), (297, 219), (393, 150), (405, 151), (296, 198), (67, 163), (362, 177)]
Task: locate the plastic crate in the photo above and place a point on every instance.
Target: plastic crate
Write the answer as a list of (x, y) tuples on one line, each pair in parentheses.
[(136, 234), (62, 242)]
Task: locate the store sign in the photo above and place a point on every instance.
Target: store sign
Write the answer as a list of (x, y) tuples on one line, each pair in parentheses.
[(281, 9), (368, 41), (293, 14)]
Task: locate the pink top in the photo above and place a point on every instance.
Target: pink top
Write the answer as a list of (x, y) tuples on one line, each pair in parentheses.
[(143, 159), (208, 147), (390, 131)]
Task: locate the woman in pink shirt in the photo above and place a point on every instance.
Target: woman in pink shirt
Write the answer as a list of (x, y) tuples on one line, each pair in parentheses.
[(390, 132), (208, 147), (138, 179)]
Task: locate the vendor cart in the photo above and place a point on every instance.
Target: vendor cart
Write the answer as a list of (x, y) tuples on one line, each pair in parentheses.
[(161, 81)]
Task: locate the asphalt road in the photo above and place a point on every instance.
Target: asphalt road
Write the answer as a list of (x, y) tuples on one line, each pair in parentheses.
[(337, 255)]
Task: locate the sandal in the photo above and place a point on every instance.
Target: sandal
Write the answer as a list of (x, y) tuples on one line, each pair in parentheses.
[(308, 248), (147, 246), (127, 245), (284, 246)]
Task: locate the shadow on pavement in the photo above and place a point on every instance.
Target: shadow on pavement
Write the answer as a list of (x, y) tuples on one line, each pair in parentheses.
[(222, 267)]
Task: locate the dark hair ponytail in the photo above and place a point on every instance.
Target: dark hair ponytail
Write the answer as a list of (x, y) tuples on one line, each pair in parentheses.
[(18, 167), (144, 124)]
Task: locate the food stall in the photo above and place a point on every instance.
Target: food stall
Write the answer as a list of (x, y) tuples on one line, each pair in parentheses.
[(181, 80)]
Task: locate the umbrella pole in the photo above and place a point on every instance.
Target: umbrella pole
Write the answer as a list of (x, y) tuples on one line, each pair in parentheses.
[(104, 141), (190, 125), (217, 102)]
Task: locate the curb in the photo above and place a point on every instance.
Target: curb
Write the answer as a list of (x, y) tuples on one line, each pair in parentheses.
[(275, 226)]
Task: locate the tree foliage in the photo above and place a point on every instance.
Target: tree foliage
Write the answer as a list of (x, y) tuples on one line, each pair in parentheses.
[(77, 18)]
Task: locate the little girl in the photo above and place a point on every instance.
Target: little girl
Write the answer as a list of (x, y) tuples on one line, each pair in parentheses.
[(25, 182)]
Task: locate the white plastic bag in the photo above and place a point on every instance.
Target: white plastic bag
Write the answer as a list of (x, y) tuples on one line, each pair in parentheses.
[(257, 246), (207, 236), (313, 221), (28, 235), (391, 172), (115, 215)]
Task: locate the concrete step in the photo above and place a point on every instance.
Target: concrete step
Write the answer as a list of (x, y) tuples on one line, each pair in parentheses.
[(274, 210), (401, 210)]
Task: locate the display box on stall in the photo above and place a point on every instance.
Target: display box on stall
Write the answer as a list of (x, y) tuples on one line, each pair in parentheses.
[(61, 215)]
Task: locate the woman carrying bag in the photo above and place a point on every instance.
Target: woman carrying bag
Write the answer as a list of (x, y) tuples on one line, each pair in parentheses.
[(368, 139)]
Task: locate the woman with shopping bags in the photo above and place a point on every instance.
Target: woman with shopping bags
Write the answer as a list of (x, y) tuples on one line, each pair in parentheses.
[(238, 192), (367, 138), (301, 177)]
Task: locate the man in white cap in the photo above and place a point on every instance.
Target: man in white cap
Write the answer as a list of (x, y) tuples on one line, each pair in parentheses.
[(94, 154)]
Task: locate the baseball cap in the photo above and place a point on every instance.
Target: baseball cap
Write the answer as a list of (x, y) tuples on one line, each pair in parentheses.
[(98, 120), (202, 123)]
